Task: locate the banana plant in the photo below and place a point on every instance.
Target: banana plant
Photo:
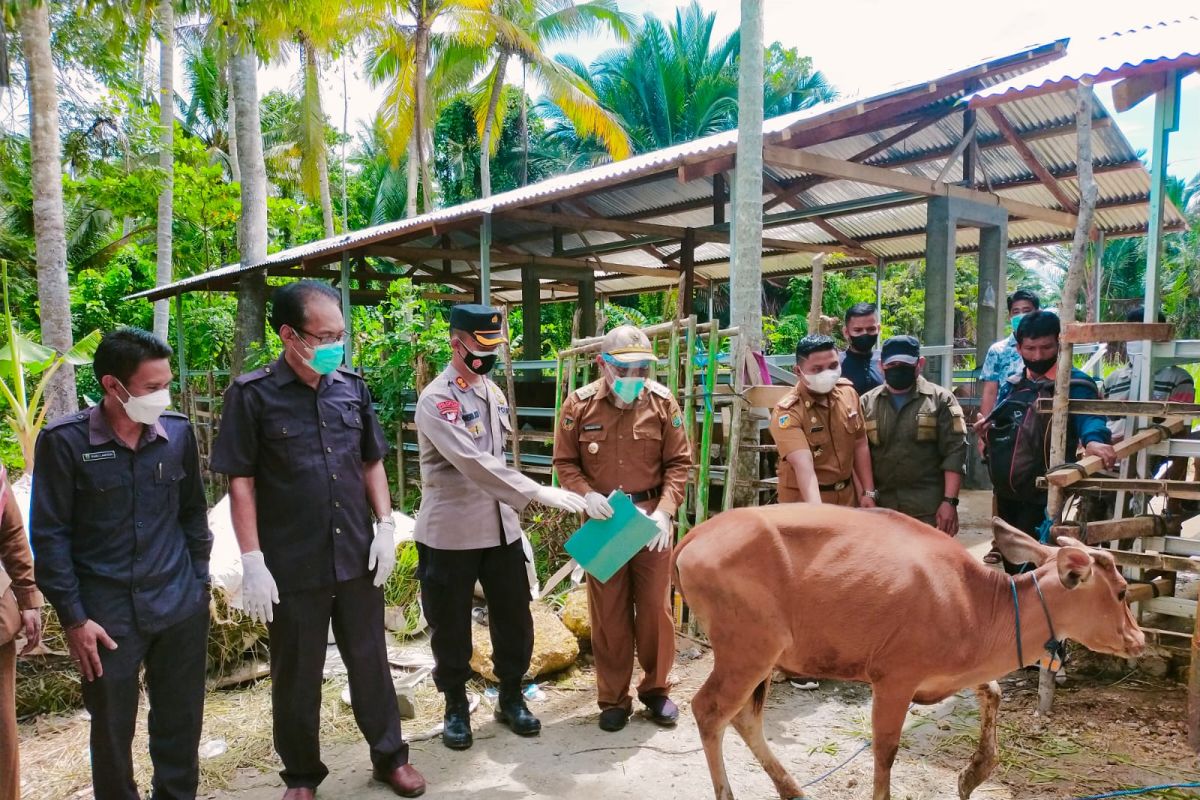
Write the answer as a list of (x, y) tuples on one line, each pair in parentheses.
[(21, 355)]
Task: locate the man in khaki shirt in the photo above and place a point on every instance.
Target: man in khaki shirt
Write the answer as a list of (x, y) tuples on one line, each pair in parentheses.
[(468, 528), (626, 432), (818, 430)]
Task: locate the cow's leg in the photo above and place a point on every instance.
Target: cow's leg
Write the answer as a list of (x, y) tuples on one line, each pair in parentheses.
[(728, 689), (888, 709), (986, 754), (748, 723)]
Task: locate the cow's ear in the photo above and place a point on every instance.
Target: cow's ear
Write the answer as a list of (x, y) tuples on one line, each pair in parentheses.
[(1017, 546), (1074, 566)]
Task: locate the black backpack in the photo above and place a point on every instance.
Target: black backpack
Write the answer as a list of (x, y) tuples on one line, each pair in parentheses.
[(1018, 442)]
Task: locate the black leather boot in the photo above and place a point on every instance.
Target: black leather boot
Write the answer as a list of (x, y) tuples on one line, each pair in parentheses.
[(512, 711), (457, 732)]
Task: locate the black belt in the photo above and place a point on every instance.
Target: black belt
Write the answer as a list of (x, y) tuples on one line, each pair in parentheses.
[(649, 494), (834, 487)]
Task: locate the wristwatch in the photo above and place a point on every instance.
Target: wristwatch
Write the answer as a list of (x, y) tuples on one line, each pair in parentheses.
[(872, 494), (951, 500)]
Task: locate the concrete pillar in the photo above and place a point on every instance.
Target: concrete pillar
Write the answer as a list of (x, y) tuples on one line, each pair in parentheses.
[(587, 307), (939, 285), (990, 320)]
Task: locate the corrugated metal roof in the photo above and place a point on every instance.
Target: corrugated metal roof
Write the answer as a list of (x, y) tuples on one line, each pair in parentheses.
[(1159, 45), (887, 224)]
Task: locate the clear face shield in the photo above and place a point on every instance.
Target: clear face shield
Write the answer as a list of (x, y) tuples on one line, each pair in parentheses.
[(628, 372)]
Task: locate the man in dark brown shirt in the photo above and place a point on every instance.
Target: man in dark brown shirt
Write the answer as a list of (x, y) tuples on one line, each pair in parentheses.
[(304, 452), (626, 432), (20, 613), (818, 430)]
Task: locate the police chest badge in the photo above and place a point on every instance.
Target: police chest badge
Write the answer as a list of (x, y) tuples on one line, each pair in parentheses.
[(449, 409)]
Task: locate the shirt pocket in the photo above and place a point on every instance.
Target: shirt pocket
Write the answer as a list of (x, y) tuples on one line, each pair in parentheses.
[(105, 497), (927, 428), (593, 448), (352, 430), (167, 482), (281, 441), (648, 438)]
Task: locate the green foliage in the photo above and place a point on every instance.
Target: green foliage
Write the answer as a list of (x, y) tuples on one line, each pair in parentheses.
[(404, 334)]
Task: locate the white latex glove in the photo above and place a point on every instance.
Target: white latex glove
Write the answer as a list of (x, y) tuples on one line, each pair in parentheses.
[(560, 498), (383, 550), (259, 592), (535, 587), (664, 540), (597, 506)]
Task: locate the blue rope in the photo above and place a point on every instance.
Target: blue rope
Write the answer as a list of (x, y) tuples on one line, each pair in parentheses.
[(1143, 790), (1017, 613), (860, 751)]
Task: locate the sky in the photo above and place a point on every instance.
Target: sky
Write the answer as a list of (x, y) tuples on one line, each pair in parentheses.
[(869, 46)]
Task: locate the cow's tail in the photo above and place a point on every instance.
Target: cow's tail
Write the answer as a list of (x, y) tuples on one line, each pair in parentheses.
[(759, 698), (675, 565)]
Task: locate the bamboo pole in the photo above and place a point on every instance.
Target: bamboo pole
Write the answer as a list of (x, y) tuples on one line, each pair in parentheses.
[(559, 396), (817, 298), (706, 429), (1070, 303)]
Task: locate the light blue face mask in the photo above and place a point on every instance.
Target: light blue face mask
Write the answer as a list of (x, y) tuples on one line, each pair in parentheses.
[(1016, 321), (628, 389), (327, 357)]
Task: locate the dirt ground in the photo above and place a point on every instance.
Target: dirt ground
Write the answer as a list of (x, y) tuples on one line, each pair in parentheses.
[(1110, 729)]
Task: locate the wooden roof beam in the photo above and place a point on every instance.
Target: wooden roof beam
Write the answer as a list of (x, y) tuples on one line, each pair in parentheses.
[(819, 221), (1031, 160), (513, 260), (877, 176)]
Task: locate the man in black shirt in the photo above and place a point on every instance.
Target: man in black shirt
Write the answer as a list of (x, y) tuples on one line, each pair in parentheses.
[(119, 525), (860, 362), (304, 452)]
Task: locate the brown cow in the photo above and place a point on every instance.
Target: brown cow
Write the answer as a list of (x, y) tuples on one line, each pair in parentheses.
[(875, 596)]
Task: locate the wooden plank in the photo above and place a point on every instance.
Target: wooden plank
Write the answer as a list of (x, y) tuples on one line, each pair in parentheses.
[(706, 169), (1184, 490), (1088, 332), (1127, 558), (765, 396), (503, 260), (1031, 160), (1171, 639), (1136, 88), (1090, 465), (1114, 529), (1123, 408), (1142, 592), (877, 176), (1169, 606)]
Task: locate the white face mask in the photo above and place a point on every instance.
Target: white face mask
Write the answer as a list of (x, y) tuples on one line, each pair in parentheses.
[(147, 408), (824, 381)]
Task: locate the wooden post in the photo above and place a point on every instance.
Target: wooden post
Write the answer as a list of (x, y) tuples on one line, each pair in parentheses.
[(512, 396), (401, 479), (687, 262), (1070, 301), (180, 354), (818, 293), (718, 208)]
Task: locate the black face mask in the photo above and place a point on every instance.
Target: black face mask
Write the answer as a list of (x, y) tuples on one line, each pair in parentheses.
[(901, 377), (864, 343), (480, 365), (1040, 367)]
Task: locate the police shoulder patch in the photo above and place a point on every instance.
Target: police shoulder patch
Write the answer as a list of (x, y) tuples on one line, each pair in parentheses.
[(568, 423), (676, 420), (785, 420), (658, 388), (449, 410), (788, 401)]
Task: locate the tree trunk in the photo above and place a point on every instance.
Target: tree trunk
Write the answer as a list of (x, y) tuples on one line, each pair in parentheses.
[(252, 226), (235, 171), (414, 167), (421, 57), (313, 81), (48, 217), (1070, 295), (345, 136), (745, 287), (485, 141), (166, 161)]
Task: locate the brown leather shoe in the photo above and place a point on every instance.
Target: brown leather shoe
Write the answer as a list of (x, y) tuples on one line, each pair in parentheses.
[(405, 780), (300, 793)]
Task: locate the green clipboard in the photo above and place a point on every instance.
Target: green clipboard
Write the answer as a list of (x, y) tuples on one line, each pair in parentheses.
[(603, 546)]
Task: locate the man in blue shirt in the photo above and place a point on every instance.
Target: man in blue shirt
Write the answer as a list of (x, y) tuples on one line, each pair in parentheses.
[(1003, 360), (860, 362)]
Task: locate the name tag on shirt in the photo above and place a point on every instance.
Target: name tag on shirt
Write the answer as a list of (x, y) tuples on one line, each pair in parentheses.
[(100, 455), (594, 427)]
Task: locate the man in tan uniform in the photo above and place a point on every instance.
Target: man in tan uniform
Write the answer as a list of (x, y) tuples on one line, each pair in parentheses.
[(626, 432), (469, 529), (918, 439), (818, 430)]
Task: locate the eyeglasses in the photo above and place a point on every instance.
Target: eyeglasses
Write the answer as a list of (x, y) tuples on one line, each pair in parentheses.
[(335, 339)]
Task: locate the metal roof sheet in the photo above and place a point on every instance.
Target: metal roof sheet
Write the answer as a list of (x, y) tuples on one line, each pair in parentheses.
[(1161, 45)]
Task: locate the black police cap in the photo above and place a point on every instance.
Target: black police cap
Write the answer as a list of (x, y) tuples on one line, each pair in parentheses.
[(901, 350), (485, 323)]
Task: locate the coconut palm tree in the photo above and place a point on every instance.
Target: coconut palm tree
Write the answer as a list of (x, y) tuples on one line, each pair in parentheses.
[(54, 296), (525, 30)]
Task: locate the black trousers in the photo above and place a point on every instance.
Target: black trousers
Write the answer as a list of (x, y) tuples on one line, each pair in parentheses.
[(1023, 514), (175, 662), (447, 594), (299, 634)]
